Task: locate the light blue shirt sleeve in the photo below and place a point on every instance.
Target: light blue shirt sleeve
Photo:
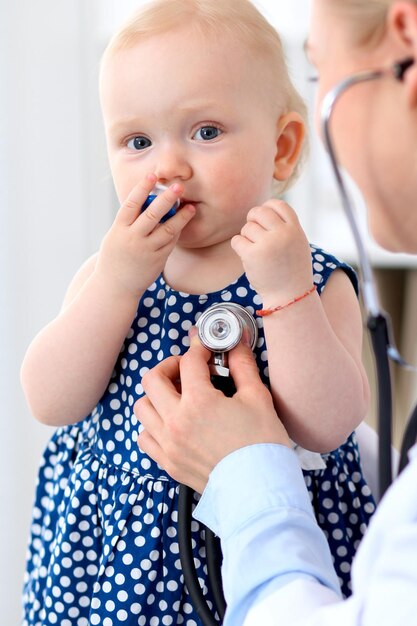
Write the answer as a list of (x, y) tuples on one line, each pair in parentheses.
[(256, 501)]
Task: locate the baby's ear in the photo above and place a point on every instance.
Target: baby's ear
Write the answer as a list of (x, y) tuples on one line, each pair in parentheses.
[(402, 28), (291, 133)]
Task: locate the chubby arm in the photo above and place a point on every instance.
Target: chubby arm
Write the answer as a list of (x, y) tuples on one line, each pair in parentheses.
[(317, 378), (69, 363)]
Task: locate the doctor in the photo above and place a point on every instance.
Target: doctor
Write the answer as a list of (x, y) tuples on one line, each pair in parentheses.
[(277, 567)]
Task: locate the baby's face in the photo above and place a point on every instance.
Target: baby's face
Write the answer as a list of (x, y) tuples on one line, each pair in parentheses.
[(194, 111)]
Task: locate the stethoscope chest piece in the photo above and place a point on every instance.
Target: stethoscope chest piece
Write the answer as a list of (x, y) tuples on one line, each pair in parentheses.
[(220, 328)]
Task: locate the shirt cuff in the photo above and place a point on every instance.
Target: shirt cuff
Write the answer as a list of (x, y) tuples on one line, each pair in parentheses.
[(250, 480)]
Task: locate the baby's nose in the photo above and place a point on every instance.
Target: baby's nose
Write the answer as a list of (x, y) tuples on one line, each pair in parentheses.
[(173, 165)]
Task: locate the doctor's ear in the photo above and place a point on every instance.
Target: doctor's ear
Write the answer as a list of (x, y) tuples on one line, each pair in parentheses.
[(402, 27), (291, 133)]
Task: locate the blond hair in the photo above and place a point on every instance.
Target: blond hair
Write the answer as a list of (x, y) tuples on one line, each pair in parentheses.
[(217, 18), (368, 17)]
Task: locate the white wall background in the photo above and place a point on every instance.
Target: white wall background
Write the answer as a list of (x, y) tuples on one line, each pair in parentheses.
[(56, 202)]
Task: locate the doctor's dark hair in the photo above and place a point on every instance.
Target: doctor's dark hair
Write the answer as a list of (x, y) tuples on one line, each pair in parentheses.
[(215, 20)]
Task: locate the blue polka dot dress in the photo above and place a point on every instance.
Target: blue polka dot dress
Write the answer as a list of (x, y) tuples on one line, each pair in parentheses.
[(104, 543)]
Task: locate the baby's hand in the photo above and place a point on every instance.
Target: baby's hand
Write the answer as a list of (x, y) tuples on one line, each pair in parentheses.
[(135, 249), (275, 253)]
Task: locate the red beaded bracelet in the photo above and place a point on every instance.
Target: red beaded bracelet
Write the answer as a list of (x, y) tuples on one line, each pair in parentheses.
[(265, 312)]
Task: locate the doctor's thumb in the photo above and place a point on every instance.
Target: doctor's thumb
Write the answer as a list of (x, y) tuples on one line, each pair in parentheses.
[(242, 366), (196, 347)]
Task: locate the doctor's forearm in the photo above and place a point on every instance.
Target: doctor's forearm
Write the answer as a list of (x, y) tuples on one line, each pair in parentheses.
[(270, 538)]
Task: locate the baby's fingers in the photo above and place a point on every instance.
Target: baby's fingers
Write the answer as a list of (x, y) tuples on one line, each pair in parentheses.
[(283, 210), (157, 209), (266, 217), (252, 231), (132, 206), (241, 245), (170, 230)]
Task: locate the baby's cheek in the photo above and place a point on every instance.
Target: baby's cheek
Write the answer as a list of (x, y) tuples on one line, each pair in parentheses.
[(125, 177)]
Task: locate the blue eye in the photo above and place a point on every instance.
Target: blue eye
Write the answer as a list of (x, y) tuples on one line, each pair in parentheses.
[(207, 133), (139, 143)]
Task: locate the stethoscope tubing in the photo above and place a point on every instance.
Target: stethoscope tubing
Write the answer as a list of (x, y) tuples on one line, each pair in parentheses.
[(378, 330), (214, 568), (368, 290), (185, 502), (377, 321)]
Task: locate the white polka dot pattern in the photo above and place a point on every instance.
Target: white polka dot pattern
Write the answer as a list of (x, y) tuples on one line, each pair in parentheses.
[(104, 546)]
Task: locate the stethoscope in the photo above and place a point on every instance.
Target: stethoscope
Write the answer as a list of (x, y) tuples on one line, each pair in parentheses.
[(378, 321), (220, 328)]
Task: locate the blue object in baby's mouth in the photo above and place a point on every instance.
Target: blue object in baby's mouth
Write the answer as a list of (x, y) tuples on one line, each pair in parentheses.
[(159, 188)]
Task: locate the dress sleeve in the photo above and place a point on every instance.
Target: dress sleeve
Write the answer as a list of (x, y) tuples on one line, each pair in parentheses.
[(324, 264)]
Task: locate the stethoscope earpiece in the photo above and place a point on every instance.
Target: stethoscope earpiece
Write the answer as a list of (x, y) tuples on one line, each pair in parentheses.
[(400, 68)]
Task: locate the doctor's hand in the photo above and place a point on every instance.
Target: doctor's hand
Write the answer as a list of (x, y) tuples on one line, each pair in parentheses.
[(190, 426)]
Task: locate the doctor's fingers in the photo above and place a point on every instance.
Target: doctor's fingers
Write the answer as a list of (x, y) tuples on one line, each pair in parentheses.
[(194, 369), (164, 436), (254, 401), (163, 433), (167, 441), (161, 383), (181, 466), (148, 416), (244, 371), (151, 447)]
